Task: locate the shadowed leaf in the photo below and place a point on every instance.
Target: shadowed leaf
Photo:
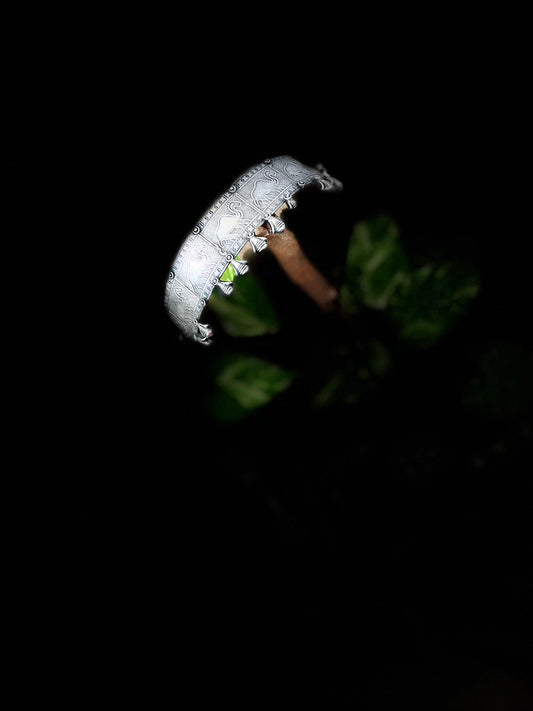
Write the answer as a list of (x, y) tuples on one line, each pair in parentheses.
[(423, 303), (247, 311), (431, 300), (376, 264), (355, 379), (244, 383), (503, 385)]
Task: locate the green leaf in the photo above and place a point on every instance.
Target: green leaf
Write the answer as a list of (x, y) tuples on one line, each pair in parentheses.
[(431, 300), (244, 383), (247, 311), (376, 264), (423, 303)]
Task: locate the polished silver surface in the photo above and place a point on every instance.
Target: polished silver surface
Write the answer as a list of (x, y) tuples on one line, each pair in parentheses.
[(224, 230)]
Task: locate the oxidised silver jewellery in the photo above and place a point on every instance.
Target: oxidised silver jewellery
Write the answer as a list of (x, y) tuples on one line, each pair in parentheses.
[(224, 230)]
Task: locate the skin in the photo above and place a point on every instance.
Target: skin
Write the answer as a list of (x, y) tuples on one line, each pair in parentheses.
[(292, 259)]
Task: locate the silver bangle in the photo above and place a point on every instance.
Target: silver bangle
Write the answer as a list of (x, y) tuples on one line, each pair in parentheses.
[(224, 230)]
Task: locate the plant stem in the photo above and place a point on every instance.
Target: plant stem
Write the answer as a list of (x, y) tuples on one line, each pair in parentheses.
[(294, 262)]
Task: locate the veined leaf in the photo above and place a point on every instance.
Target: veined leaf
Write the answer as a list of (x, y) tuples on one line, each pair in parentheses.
[(376, 264), (431, 301), (423, 303), (244, 383)]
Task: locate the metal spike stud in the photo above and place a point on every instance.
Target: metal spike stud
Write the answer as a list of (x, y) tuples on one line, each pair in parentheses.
[(240, 267), (204, 341), (226, 286), (291, 203), (276, 224), (258, 243), (204, 331)]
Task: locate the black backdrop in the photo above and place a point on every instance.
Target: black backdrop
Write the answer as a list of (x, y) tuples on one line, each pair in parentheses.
[(184, 578)]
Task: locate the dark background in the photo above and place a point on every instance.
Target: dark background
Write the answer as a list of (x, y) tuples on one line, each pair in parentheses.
[(365, 558)]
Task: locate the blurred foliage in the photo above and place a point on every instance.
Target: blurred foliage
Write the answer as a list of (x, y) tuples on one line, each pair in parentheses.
[(432, 300), (420, 303), (247, 311), (376, 265), (503, 384), (354, 379), (245, 383)]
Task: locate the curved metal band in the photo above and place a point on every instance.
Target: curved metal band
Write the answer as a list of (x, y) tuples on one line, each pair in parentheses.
[(224, 230)]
